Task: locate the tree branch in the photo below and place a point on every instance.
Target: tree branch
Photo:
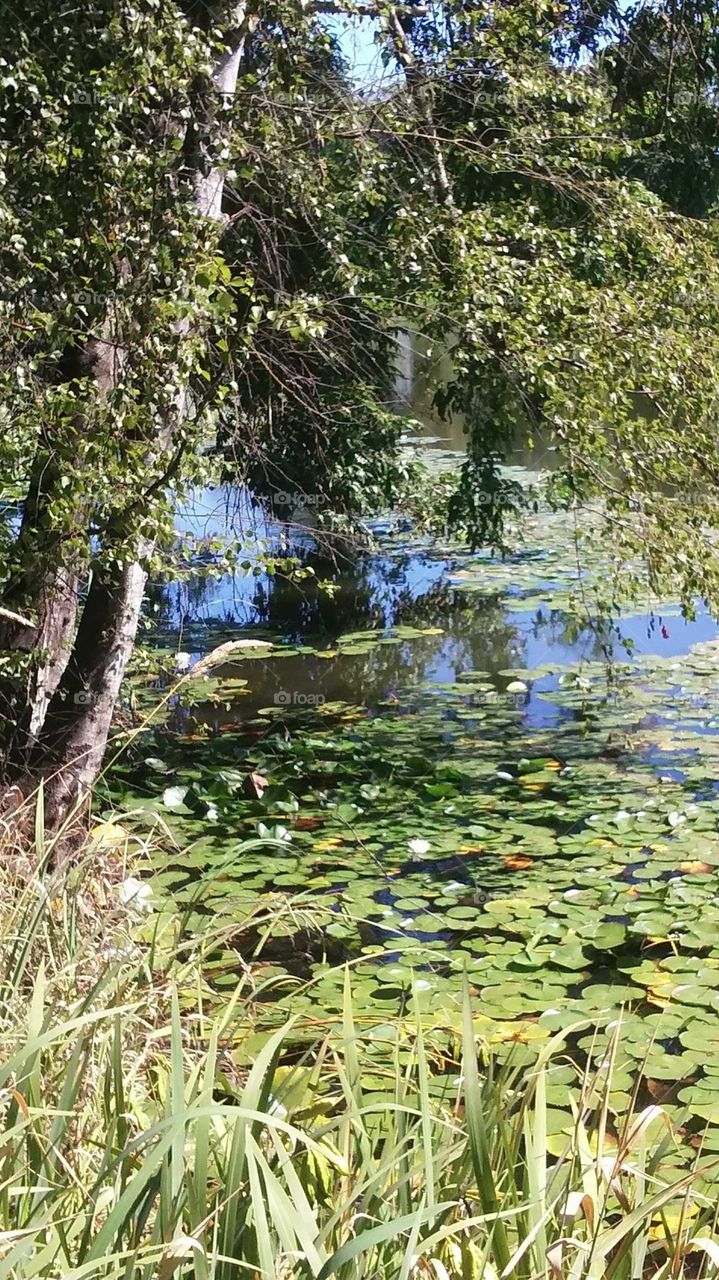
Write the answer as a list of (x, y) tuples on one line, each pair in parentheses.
[(17, 617)]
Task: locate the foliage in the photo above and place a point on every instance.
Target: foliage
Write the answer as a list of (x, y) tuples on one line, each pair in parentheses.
[(132, 1139), (571, 298)]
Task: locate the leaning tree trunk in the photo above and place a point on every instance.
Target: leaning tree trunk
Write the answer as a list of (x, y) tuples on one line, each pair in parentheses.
[(78, 719), (71, 748), (52, 640), (43, 580), (45, 599)]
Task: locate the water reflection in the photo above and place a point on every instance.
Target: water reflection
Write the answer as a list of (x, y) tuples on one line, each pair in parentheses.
[(473, 638), (470, 634), (403, 583)]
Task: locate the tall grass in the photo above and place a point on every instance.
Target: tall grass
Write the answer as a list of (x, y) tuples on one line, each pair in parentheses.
[(133, 1146)]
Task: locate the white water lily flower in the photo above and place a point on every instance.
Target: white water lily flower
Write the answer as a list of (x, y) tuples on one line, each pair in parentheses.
[(183, 662), (212, 814), (418, 845), (621, 816), (675, 819), (135, 894), (174, 797), (506, 777)]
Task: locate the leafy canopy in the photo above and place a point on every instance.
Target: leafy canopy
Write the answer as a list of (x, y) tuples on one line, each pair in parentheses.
[(517, 191)]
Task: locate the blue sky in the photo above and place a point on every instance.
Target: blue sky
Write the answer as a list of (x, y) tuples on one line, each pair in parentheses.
[(356, 36)]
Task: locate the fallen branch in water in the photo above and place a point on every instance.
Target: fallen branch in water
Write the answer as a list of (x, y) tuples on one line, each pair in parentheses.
[(225, 653)]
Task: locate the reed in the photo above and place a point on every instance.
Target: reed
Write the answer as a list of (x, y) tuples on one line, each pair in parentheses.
[(133, 1147)]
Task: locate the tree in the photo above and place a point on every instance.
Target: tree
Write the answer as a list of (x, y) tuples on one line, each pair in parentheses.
[(127, 311), (210, 234), (578, 300)]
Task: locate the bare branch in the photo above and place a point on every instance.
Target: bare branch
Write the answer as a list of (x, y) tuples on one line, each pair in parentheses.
[(16, 617)]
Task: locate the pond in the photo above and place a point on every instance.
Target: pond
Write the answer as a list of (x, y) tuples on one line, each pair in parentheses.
[(444, 769)]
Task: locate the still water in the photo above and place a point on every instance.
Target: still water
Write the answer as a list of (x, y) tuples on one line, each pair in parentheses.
[(400, 581)]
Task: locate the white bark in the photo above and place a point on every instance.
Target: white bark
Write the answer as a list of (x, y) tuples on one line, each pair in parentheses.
[(209, 187), (79, 727)]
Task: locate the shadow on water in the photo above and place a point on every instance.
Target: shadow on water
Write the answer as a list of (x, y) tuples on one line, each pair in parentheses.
[(402, 583)]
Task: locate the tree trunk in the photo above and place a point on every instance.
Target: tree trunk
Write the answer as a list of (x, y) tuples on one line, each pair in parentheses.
[(42, 582), (53, 637), (49, 639), (49, 596), (77, 724)]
